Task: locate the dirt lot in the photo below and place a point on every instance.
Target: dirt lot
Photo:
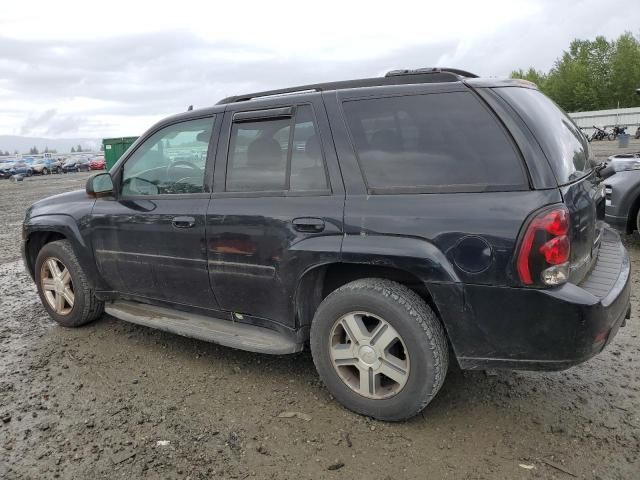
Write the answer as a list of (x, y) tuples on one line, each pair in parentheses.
[(114, 400)]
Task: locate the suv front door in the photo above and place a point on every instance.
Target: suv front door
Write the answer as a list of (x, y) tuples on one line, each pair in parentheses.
[(276, 210), (149, 240)]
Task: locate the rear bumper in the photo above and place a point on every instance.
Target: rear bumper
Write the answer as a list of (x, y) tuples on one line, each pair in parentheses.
[(552, 329)]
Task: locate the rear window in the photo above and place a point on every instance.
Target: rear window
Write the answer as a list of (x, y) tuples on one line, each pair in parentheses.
[(561, 140), (435, 142)]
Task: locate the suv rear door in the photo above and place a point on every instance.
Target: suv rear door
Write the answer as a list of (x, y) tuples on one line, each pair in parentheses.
[(277, 206)]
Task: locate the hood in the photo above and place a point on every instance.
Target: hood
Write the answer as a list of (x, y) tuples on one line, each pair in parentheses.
[(58, 204)]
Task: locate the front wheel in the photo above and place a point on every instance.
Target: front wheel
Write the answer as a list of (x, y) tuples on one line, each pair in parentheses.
[(63, 286), (611, 136), (45, 171), (379, 349)]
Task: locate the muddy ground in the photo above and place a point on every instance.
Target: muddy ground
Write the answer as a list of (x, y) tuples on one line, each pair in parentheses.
[(114, 400)]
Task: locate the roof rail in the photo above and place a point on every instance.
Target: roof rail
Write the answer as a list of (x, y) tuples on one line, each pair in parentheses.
[(420, 71), (394, 77)]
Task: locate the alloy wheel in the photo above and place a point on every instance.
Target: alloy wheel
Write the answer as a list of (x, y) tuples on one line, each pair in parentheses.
[(369, 355), (55, 280)]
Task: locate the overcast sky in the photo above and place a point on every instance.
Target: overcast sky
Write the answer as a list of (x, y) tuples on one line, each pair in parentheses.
[(69, 69)]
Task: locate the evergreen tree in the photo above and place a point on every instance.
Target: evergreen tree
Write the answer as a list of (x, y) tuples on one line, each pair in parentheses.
[(592, 75)]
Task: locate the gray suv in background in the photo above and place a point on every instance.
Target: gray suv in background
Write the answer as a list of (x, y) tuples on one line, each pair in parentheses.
[(622, 192)]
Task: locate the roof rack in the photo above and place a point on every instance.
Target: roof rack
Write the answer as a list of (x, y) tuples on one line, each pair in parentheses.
[(394, 77)]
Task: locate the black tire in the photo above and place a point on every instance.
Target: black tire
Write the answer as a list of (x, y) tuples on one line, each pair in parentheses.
[(59, 170), (45, 171), (86, 307), (611, 136), (412, 318), (638, 222), (29, 172)]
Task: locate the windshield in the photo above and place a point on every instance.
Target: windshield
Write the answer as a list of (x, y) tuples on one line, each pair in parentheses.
[(561, 140)]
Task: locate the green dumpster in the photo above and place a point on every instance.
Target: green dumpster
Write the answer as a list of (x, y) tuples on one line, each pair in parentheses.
[(115, 147)]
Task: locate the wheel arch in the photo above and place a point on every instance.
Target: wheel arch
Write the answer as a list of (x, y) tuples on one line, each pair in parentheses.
[(318, 282), (634, 209), (34, 243), (45, 229)]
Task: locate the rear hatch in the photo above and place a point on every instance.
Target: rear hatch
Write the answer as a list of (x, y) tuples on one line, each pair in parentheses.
[(570, 157)]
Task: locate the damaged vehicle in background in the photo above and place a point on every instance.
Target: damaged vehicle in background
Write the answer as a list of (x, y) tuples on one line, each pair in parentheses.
[(16, 167), (623, 192), (46, 166), (76, 164), (97, 163), (395, 224)]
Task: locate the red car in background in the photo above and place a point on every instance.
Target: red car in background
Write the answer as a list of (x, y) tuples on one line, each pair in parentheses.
[(97, 163)]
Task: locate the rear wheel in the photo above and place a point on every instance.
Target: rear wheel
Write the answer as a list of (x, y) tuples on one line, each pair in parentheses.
[(63, 286), (379, 349), (611, 136), (45, 171)]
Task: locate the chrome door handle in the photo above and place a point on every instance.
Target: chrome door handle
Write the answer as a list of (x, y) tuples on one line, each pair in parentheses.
[(308, 224), (183, 222)]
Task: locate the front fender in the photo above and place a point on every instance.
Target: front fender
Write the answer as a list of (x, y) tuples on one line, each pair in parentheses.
[(67, 226), (626, 190)]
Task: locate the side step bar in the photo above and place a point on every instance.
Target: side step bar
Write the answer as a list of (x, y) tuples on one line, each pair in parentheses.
[(223, 332)]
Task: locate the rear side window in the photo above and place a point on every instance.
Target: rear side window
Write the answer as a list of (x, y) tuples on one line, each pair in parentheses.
[(276, 155), (561, 140), (435, 142)]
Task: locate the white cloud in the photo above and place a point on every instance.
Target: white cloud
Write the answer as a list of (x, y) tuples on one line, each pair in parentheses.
[(114, 70)]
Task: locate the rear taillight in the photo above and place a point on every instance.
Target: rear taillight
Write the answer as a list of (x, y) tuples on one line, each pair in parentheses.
[(543, 256)]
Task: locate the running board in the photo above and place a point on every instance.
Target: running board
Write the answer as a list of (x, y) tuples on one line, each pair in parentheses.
[(223, 332)]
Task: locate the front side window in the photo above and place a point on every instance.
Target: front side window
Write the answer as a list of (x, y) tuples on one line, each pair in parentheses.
[(281, 154), (171, 161), (440, 141)]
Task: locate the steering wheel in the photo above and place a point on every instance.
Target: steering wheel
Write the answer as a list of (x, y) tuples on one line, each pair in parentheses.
[(197, 173), (183, 163)]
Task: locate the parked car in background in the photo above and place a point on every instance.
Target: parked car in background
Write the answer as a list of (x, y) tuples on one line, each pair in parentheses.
[(622, 192), (46, 166), (395, 224), (97, 163), (76, 164), (16, 167), (5, 165)]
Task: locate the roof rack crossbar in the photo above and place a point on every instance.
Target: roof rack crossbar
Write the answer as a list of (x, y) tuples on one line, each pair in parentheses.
[(394, 77)]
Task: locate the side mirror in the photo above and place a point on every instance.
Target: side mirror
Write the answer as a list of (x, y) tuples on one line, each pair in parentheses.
[(99, 185)]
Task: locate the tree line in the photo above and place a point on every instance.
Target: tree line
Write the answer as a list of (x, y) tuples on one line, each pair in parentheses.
[(34, 150), (592, 75)]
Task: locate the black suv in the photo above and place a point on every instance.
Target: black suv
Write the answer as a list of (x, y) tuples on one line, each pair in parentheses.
[(393, 223)]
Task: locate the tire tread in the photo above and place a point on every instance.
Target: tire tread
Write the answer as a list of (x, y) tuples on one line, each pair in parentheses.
[(422, 314), (92, 307)]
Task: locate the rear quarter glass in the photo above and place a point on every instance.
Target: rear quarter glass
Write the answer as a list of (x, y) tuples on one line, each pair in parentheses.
[(562, 142), (431, 142)]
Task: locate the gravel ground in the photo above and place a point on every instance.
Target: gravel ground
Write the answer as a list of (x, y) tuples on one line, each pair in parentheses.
[(115, 400)]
